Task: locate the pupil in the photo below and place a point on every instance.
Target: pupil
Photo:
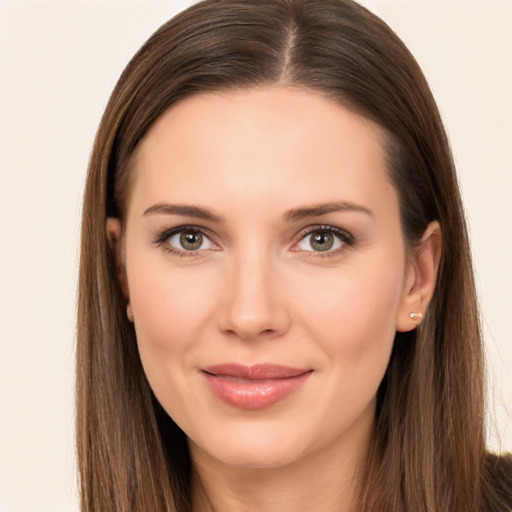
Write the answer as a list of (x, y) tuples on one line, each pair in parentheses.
[(191, 241), (322, 241)]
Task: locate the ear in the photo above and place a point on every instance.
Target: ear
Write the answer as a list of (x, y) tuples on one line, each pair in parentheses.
[(115, 238), (420, 279)]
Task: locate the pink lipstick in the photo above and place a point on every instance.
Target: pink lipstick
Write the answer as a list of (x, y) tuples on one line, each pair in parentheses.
[(254, 387)]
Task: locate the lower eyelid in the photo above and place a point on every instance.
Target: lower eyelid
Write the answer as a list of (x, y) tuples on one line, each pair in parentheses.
[(344, 237)]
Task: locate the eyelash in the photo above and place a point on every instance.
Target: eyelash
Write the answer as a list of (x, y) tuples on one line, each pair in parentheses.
[(345, 237), (163, 237)]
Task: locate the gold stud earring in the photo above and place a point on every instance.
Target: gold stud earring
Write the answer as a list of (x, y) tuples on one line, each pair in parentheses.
[(129, 313), (416, 318)]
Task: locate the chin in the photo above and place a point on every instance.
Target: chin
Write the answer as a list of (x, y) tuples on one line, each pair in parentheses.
[(252, 448)]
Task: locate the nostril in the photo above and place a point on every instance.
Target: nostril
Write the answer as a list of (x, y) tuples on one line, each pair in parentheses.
[(246, 334)]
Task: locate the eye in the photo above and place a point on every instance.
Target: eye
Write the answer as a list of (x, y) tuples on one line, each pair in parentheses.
[(325, 239), (185, 240)]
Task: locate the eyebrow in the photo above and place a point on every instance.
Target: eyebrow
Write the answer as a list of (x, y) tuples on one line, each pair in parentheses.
[(322, 209), (184, 210), (290, 216)]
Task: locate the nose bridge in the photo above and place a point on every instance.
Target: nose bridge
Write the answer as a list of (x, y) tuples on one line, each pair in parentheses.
[(253, 305)]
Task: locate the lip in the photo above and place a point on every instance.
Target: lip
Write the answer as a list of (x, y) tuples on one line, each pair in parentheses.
[(256, 386)]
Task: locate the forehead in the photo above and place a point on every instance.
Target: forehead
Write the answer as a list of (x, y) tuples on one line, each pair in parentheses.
[(276, 143)]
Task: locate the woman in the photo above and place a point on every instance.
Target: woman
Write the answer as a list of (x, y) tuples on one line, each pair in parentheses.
[(277, 308)]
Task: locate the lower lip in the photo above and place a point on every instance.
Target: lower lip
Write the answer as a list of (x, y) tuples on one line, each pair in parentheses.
[(254, 394)]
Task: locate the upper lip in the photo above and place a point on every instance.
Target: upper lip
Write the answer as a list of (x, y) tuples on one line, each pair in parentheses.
[(255, 371)]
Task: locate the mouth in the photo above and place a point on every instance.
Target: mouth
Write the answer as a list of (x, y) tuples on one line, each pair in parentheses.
[(254, 387)]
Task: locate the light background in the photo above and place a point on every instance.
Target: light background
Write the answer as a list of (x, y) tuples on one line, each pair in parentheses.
[(58, 64)]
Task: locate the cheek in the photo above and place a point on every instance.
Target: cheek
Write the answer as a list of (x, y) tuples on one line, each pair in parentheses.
[(353, 318), (171, 309), (168, 303), (358, 301)]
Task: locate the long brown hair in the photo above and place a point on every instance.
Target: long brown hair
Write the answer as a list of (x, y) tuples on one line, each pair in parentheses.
[(428, 451)]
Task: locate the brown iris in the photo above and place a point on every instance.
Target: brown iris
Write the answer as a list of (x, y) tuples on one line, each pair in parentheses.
[(322, 241), (191, 240)]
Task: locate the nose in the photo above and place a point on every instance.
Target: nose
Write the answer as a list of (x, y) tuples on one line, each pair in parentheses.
[(254, 304)]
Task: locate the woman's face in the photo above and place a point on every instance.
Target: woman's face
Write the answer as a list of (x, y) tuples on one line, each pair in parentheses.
[(267, 273)]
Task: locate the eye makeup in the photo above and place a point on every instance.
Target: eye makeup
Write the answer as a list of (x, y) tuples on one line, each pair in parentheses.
[(321, 240)]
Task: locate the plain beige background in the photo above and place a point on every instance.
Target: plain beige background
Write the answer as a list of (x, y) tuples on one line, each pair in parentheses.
[(58, 64)]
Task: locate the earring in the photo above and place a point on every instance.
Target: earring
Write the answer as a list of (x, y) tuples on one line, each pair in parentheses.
[(129, 313), (416, 317)]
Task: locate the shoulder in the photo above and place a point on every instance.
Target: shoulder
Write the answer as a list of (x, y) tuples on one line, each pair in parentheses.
[(499, 469), (500, 465)]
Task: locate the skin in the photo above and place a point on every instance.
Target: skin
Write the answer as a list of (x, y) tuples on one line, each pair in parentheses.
[(257, 291)]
